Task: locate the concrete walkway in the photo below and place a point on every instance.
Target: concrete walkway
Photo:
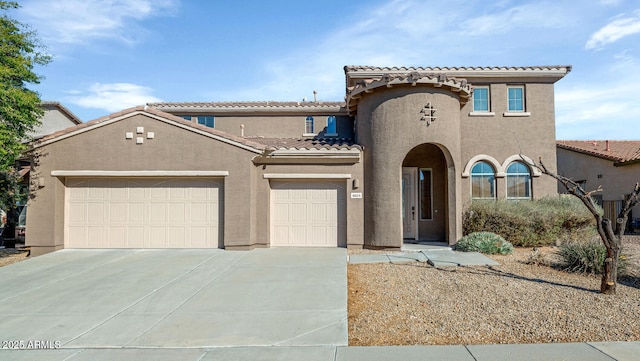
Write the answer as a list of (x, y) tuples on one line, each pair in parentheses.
[(268, 304), (437, 255), (596, 351)]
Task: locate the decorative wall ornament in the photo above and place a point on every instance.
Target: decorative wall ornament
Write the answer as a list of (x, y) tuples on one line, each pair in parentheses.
[(139, 138), (428, 114)]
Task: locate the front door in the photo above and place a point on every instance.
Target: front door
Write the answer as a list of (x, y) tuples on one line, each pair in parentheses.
[(409, 198)]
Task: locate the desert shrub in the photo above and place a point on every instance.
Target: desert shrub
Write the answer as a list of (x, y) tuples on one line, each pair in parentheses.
[(528, 223), (587, 256), (484, 242)]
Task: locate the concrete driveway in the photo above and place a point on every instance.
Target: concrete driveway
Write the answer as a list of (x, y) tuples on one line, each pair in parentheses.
[(97, 299)]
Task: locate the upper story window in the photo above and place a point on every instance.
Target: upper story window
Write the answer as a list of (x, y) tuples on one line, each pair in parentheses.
[(481, 99), (518, 181), (309, 126), (516, 99), (331, 125), (483, 181), (206, 120), (185, 117)]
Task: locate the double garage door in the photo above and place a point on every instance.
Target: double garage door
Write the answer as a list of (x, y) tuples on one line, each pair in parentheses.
[(143, 212)]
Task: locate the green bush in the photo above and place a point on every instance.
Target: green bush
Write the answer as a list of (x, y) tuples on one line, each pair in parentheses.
[(587, 256), (484, 242), (528, 223)]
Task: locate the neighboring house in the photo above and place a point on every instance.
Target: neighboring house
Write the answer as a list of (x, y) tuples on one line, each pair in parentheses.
[(612, 164), (56, 117), (397, 160)]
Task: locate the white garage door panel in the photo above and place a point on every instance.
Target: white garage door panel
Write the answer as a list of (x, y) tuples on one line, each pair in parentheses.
[(308, 214), (143, 212)]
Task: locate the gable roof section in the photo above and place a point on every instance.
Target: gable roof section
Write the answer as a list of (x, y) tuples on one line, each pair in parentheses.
[(251, 107), (620, 152), (158, 115)]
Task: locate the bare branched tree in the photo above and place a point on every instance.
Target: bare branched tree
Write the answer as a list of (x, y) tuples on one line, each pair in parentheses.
[(611, 236)]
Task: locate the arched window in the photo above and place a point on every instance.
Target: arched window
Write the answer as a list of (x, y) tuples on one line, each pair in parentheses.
[(483, 181), (518, 181)]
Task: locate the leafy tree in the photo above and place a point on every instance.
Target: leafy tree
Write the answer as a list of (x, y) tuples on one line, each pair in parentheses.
[(20, 109)]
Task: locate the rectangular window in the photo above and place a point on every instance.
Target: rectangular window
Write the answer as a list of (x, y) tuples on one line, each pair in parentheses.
[(516, 99), (426, 190), (481, 99), (308, 125), (207, 120), (185, 117), (331, 125)]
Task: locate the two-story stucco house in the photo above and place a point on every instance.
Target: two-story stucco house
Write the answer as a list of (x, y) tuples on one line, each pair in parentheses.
[(398, 160)]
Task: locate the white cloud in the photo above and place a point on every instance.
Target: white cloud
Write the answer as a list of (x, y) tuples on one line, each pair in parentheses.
[(79, 21), (113, 97), (614, 31), (597, 110), (539, 15)]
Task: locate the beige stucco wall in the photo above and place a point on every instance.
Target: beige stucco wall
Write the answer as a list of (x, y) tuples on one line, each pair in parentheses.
[(389, 126), (501, 137), (173, 149), (615, 181)]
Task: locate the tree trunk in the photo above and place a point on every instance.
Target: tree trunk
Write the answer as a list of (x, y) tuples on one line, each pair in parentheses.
[(610, 274)]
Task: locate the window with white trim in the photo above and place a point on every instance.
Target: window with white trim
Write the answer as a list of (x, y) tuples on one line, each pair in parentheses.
[(185, 117), (515, 98), (518, 181), (483, 181), (206, 120), (308, 125), (481, 99)]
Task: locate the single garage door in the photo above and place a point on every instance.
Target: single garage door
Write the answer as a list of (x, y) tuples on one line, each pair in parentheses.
[(308, 214), (143, 212)]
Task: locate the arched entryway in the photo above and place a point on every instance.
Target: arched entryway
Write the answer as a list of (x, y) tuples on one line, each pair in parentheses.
[(425, 194)]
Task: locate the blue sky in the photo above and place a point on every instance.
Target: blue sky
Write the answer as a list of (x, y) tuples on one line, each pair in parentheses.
[(113, 54)]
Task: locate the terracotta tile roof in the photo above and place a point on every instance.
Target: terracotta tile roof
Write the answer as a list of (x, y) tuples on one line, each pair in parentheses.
[(356, 88), (247, 105), (156, 112), (328, 143), (350, 68), (618, 151)]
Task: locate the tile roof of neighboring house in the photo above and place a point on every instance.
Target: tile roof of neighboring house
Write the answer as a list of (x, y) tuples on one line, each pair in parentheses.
[(306, 143), (618, 151)]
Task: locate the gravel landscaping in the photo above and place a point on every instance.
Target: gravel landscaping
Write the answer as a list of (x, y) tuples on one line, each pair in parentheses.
[(12, 255), (516, 302)]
